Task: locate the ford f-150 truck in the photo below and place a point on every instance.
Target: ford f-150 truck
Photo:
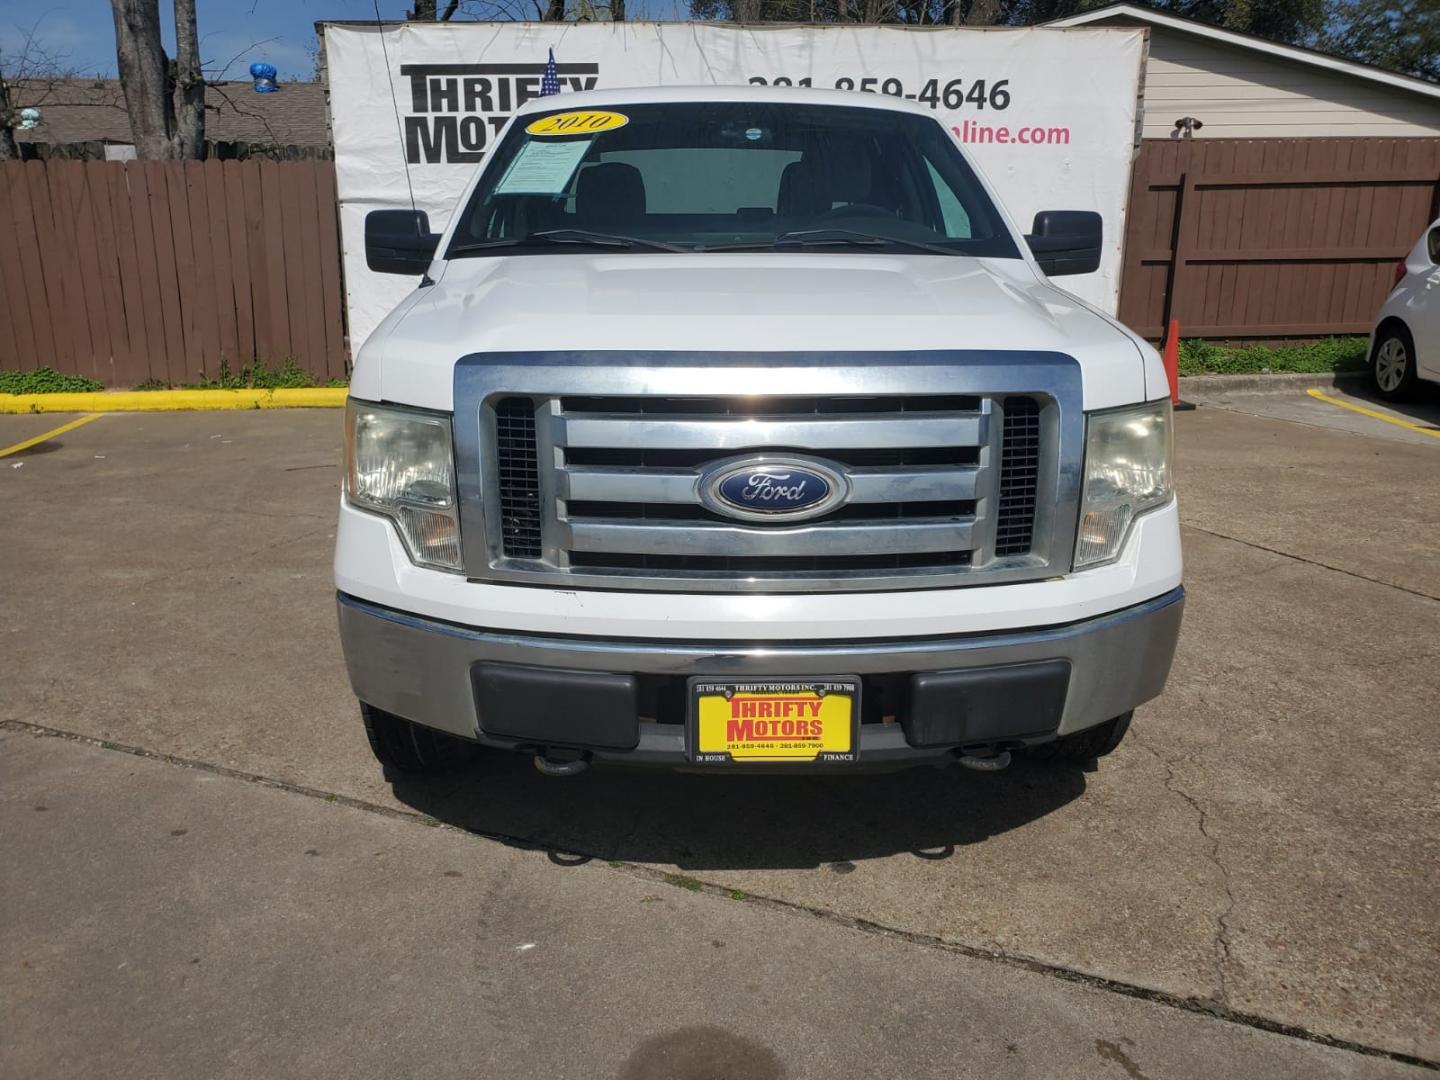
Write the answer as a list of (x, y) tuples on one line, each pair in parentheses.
[(741, 429)]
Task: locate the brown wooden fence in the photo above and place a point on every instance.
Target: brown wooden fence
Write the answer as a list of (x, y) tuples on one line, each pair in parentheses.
[(1284, 238), (169, 270)]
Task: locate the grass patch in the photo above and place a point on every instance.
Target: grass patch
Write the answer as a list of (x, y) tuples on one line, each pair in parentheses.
[(257, 376), (1318, 357), (683, 882), (289, 376), (45, 381)]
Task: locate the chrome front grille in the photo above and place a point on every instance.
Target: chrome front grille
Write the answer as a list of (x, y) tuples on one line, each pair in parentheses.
[(938, 486), (629, 470), (585, 469)]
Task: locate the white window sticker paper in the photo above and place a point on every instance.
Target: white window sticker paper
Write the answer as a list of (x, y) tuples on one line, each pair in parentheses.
[(542, 168)]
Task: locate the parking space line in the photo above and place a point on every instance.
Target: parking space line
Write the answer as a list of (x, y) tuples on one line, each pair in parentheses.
[(38, 439), (1409, 425)]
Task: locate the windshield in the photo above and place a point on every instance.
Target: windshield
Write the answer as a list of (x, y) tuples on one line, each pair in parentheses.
[(714, 176)]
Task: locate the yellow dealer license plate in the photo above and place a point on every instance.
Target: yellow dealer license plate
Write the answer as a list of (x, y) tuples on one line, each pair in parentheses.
[(790, 720)]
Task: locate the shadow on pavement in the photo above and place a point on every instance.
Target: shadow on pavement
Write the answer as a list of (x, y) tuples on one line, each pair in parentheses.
[(1423, 407), (47, 447), (739, 821)]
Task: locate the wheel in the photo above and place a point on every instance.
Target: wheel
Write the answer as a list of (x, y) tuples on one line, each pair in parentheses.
[(1085, 745), (410, 747), (1392, 367)]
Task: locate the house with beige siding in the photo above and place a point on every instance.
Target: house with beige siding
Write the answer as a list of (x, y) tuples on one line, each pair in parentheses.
[(1244, 87), (1274, 187)]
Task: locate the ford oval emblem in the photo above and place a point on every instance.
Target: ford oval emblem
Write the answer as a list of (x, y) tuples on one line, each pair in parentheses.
[(766, 487)]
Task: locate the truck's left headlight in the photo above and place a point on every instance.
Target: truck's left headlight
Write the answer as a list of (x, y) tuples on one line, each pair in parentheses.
[(400, 463), (1127, 472)]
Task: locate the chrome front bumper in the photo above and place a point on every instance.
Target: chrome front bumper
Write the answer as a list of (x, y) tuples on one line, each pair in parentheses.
[(421, 669)]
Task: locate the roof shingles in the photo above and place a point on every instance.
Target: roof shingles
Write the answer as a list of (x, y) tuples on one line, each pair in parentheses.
[(93, 110)]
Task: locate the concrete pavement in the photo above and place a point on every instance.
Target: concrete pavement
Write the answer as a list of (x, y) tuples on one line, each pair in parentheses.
[(1265, 842), (1348, 403), (172, 922)]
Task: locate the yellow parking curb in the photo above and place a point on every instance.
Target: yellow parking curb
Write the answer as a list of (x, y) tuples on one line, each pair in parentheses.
[(319, 397), (1409, 425)]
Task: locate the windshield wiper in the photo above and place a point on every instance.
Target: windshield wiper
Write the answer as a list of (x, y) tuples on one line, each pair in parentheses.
[(831, 238), (563, 236)]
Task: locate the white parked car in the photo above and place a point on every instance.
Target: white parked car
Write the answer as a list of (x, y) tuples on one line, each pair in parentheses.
[(1405, 347), (740, 428)]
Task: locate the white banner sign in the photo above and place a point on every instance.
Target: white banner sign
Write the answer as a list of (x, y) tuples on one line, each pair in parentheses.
[(1049, 115)]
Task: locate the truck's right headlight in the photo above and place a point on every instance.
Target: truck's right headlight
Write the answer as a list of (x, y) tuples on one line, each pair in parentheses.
[(400, 463), (1127, 472)]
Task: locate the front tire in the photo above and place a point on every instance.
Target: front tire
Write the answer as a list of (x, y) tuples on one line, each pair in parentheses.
[(1085, 745), (1392, 365), (400, 744)]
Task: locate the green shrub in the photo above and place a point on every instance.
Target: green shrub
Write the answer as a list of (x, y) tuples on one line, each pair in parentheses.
[(1318, 357), (45, 381), (290, 376)]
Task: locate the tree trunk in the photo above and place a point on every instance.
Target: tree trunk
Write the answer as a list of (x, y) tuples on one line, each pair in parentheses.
[(450, 10), (142, 64), (617, 10), (8, 150), (555, 11), (424, 11), (189, 139), (983, 13)]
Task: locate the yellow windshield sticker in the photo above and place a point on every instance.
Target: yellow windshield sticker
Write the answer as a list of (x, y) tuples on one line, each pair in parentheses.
[(587, 122)]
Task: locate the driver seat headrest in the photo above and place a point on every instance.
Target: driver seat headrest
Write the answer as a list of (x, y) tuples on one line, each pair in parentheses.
[(609, 194)]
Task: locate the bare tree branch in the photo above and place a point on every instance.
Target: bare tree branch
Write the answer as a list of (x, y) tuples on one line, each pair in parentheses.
[(216, 76), (239, 110), (34, 73)]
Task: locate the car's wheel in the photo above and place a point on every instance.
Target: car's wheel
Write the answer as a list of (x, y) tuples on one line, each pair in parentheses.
[(410, 747), (1085, 745), (1392, 366)]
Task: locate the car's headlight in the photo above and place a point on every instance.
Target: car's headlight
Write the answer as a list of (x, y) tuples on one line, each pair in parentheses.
[(399, 462), (1127, 472)]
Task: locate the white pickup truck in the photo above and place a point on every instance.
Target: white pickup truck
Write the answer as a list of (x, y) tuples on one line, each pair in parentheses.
[(740, 428)]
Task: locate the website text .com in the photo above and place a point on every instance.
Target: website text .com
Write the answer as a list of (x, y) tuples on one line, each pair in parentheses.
[(971, 131)]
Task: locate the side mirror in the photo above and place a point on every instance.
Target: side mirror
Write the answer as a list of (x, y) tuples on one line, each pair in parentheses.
[(399, 241), (1067, 241)]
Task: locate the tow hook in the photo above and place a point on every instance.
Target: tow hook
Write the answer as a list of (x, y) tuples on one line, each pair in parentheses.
[(981, 761), (551, 765)]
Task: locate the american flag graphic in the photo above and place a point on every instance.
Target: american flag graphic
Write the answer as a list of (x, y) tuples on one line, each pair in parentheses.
[(550, 81)]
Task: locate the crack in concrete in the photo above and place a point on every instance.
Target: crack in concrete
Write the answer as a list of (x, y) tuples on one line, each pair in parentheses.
[(273, 544), (1204, 1006), (1223, 956), (1311, 562)]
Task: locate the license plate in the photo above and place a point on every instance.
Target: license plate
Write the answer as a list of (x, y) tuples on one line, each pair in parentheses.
[(789, 720)]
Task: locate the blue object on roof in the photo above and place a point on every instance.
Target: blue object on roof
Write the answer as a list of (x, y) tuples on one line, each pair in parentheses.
[(264, 76)]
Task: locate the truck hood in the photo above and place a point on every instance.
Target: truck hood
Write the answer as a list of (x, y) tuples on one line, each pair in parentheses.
[(746, 302)]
